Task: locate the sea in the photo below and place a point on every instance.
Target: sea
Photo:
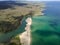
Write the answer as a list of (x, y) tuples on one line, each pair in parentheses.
[(45, 30)]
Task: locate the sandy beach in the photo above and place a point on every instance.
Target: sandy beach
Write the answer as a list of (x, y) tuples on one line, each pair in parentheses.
[(25, 37)]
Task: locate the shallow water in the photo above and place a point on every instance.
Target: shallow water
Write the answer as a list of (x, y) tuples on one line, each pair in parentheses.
[(46, 29)]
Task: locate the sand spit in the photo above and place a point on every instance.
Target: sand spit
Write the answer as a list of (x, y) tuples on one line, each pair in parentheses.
[(25, 37)]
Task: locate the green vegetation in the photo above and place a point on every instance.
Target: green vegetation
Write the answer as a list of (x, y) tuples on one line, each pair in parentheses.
[(15, 41)]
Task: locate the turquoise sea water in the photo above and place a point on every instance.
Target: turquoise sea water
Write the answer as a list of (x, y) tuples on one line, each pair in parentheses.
[(46, 28)]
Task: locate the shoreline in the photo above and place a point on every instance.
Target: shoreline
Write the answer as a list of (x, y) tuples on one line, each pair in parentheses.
[(25, 37)]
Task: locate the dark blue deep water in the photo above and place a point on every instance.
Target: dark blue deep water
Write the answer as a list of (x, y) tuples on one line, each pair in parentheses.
[(46, 28)]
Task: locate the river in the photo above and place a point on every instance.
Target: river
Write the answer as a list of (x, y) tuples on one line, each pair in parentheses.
[(7, 36)]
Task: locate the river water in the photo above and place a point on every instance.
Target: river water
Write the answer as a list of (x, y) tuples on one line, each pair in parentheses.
[(46, 28)]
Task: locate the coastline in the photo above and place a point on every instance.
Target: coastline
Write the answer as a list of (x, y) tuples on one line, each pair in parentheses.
[(25, 37), (15, 18)]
